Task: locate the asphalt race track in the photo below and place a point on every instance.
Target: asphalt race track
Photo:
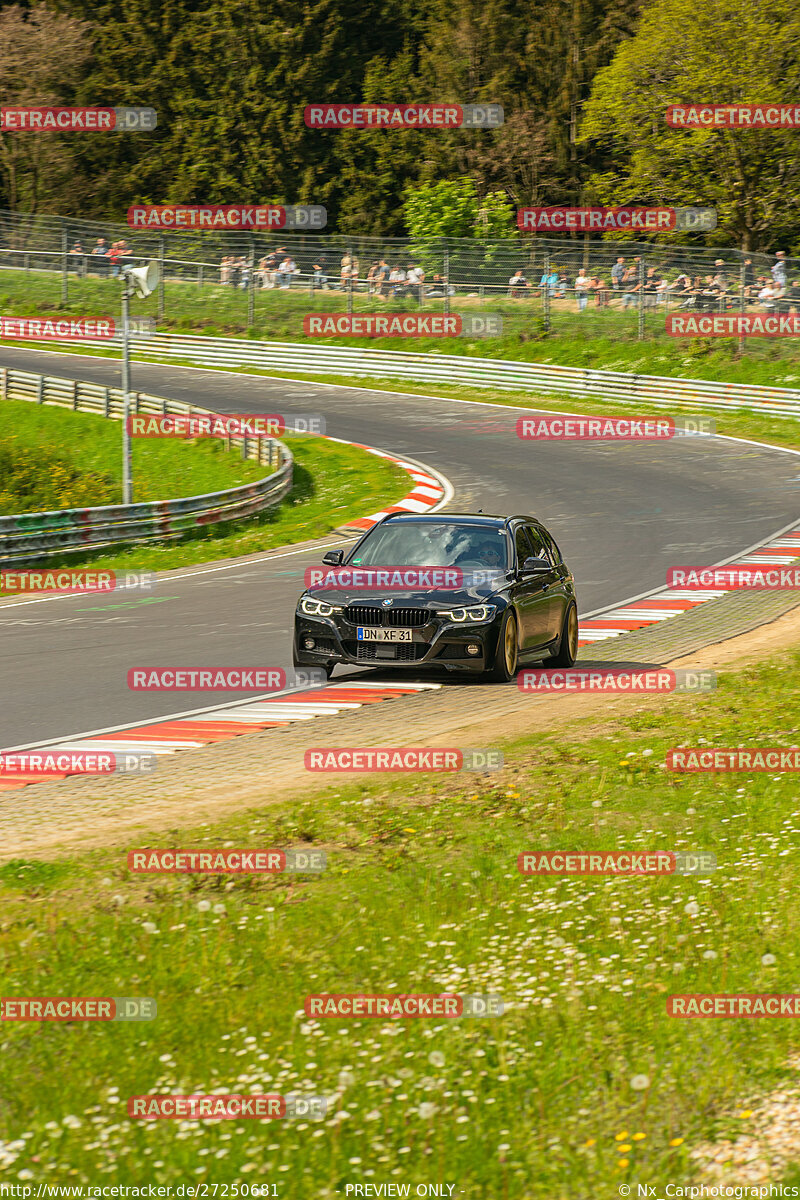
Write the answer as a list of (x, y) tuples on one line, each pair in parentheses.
[(622, 513)]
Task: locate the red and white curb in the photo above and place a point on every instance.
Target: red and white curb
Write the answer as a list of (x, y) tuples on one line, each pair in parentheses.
[(202, 727), (428, 493), (646, 610)]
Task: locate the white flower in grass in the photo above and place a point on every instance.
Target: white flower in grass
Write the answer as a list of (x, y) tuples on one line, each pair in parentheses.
[(203, 905), (346, 1079), (25, 1174), (427, 1110), (436, 1058), (692, 908), (709, 954), (640, 1083), (373, 1115), (768, 960), (219, 909), (149, 927)]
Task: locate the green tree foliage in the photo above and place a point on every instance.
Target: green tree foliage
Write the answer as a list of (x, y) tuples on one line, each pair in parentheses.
[(719, 51)]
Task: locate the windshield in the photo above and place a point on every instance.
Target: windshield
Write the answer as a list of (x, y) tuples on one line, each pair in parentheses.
[(434, 544)]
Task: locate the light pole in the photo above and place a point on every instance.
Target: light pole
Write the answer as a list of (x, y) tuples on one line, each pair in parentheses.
[(141, 281)]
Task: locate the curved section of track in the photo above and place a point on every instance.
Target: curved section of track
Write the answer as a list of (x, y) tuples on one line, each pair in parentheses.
[(622, 512)]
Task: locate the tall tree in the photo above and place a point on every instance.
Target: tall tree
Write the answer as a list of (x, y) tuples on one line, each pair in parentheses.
[(717, 51)]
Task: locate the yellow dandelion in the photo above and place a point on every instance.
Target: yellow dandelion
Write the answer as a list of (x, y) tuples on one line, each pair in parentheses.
[(746, 1112), (409, 831), (639, 1137), (623, 1163), (677, 1142), (624, 1149), (624, 763), (620, 1137), (590, 1142)]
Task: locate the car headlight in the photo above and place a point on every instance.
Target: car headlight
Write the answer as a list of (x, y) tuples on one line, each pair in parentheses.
[(318, 608), (480, 612)]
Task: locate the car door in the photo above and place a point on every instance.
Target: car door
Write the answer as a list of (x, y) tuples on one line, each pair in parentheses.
[(559, 593), (529, 596), (550, 595)]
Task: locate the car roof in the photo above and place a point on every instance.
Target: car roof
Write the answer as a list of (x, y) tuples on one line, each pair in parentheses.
[(488, 519)]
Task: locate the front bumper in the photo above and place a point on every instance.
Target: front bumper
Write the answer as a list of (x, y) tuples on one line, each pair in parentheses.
[(439, 645)]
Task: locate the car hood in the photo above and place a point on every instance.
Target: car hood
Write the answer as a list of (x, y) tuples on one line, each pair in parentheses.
[(454, 597)]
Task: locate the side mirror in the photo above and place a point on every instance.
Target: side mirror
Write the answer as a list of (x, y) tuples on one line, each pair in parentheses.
[(333, 557), (535, 566)]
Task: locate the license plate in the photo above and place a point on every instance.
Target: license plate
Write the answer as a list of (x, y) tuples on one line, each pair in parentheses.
[(366, 634)]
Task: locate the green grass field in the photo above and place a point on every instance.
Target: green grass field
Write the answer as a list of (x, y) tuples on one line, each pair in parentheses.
[(582, 1086), (604, 339)]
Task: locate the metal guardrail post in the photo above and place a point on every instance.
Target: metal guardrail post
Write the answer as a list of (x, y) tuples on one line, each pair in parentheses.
[(64, 265), (641, 299), (244, 445), (40, 390), (251, 286), (75, 396), (200, 275), (106, 399), (4, 383), (546, 293), (161, 293)]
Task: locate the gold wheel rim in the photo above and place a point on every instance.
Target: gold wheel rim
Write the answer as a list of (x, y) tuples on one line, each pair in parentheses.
[(573, 632), (510, 645)]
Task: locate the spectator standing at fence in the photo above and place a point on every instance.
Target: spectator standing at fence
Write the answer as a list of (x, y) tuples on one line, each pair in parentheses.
[(582, 290), (778, 269), (245, 268), (630, 285), (77, 253), (768, 295), (549, 281), (650, 287), (235, 273), (320, 269), (99, 253), (344, 272), (749, 279), (285, 272), (382, 278), (415, 277), (793, 297), (598, 286), (113, 258), (618, 274), (372, 277), (518, 284), (397, 280)]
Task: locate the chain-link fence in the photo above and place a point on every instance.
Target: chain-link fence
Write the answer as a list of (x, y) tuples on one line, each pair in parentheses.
[(267, 282)]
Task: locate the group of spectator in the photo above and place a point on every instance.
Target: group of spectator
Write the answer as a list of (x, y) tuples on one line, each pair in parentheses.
[(102, 259), (628, 280), (277, 270)]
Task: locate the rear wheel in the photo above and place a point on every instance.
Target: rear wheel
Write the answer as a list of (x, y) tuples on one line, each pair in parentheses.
[(567, 649), (506, 655)]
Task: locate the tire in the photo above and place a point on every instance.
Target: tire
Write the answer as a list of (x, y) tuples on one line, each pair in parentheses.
[(506, 656), (567, 649)]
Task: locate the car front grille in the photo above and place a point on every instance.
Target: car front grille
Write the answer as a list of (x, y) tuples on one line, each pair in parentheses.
[(404, 651), (406, 618)]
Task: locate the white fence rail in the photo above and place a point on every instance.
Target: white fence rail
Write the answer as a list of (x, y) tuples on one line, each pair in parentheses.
[(537, 378), (30, 537)]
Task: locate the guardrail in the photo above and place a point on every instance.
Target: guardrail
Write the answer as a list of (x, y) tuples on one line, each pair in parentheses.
[(29, 537), (305, 358)]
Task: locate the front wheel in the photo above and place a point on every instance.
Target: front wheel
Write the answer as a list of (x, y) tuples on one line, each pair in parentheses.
[(506, 655), (567, 650)]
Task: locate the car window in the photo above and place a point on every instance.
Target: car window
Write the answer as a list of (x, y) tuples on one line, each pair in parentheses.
[(539, 549), (522, 544), (555, 554)]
